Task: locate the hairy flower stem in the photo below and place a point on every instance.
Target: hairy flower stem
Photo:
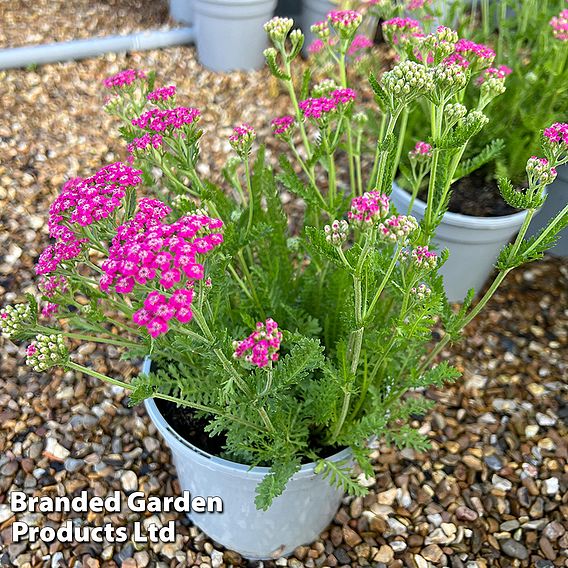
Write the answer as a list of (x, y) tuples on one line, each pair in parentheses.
[(297, 112), (332, 190), (384, 282), (401, 136), (358, 171), (251, 199), (382, 155)]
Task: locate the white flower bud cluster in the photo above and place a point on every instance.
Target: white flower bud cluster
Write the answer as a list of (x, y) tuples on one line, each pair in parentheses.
[(474, 117), (46, 351), (492, 87), (278, 28), (321, 30), (454, 112), (324, 88), (406, 81), (448, 79), (14, 319), (421, 292), (336, 233)]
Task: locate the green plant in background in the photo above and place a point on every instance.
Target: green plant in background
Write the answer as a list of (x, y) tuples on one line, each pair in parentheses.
[(288, 342)]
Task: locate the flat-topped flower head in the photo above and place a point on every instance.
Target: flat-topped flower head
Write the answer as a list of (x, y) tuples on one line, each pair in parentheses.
[(447, 79), (360, 44), (395, 28), (318, 108), (405, 82), (241, 139), (46, 351), (162, 120), (368, 209), (149, 252), (345, 22), (336, 233), (283, 126), (492, 81), (261, 346), (321, 30), (559, 26), (124, 79), (423, 258), (471, 53), (51, 286), (162, 94), (278, 28), (500, 72), (397, 228), (343, 96), (539, 171), (146, 142), (16, 319)]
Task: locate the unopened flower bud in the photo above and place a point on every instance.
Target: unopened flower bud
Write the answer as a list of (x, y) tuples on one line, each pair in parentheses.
[(421, 292), (397, 228), (46, 351), (15, 319), (242, 139), (320, 30), (539, 171), (336, 233), (278, 28), (424, 258)]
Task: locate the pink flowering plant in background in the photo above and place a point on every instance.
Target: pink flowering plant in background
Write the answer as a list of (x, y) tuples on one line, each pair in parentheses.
[(292, 337)]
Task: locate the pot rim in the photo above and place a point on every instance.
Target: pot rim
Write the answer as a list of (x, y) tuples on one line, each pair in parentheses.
[(468, 221), (307, 470)]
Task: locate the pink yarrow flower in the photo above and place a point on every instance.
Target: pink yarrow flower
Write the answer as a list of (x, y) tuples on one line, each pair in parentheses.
[(145, 142), (346, 21), (359, 43), (261, 346), (421, 149), (162, 94), (395, 28), (282, 125), (316, 46), (161, 120), (397, 227), (368, 208), (413, 5), (123, 78), (424, 258), (147, 250), (559, 26), (469, 53)]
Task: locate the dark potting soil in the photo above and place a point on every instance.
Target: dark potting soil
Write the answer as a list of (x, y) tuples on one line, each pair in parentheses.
[(190, 425), (477, 195)]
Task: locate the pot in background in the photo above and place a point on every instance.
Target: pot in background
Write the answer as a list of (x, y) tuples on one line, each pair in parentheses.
[(314, 11), (296, 517), (474, 243), (555, 202), (230, 34), (182, 11)]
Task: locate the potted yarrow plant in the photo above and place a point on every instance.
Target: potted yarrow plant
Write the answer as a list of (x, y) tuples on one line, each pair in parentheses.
[(271, 354), (528, 52)]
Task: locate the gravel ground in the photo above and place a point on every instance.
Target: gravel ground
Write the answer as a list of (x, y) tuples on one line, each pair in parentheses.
[(492, 492)]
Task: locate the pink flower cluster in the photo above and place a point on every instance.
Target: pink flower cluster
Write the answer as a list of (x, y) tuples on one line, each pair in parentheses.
[(348, 20), (424, 258), (468, 52), (49, 309), (368, 208), (359, 43), (162, 94), (124, 78), (51, 285), (421, 149), (86, 201), (282, 125), (146, 249), (153, 140), (316, 46), (412, 5), (557, 133), (319, 107), (241, 139), (160, 120), (500, 72), (559, 26), (261, 346), (83, 202), (539, 171), (397, 227), (404, 25)]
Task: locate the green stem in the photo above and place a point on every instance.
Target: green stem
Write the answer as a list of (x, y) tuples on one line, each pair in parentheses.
[(251, 199), (384, 281)]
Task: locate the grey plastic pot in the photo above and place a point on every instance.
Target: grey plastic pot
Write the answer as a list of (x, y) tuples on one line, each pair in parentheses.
[(182, 11), (314, 11), (555, 202), (474, 243), (230, 33), (296, 517)]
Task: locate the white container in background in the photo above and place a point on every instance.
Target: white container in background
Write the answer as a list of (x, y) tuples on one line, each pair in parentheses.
[(296, 517), (474, 243), (314, 11), (555, 202), (230, 33), (182, 11)]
